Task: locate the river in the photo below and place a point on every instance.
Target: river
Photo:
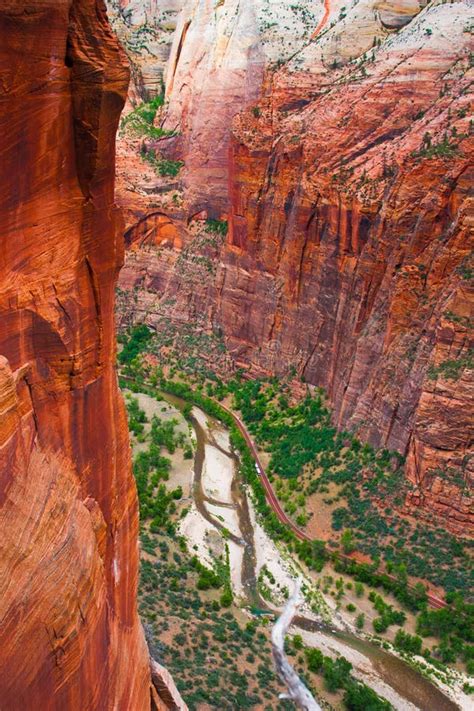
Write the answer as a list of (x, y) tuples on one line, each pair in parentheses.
[(409, 686)]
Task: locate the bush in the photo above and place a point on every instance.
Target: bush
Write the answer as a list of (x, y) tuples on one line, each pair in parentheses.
[(219, 227), (336, 673), (359, 697), (347, 541), (298, 641), (141, 120), (169, 168), (226, 598), (134, 343), (314, 659), (407, 642)]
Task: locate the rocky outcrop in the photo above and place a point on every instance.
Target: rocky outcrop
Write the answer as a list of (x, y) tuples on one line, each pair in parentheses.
[(220, 53), (349, 246), (349, 226), (70, 637)]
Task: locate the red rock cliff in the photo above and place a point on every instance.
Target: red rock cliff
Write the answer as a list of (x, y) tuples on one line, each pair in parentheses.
[(349, 248), (348, 255), (70, 637)]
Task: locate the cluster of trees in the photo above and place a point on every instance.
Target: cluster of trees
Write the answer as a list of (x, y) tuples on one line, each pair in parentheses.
[(207, 578), (134, 343), (136, 416), (141, 119), (162, 433), (454, 626), (337, 675), (219, 227), (414, 598), (387, 614), (408, 643)]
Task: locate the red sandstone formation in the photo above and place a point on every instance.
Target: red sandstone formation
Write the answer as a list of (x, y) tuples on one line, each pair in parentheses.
[(217, 65), (349, 247), (350, 234), (70, 637)]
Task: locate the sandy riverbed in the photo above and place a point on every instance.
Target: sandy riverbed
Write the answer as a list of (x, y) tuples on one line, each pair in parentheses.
[(217, 475)]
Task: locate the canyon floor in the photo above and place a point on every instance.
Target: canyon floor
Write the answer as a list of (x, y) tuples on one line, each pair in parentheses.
[(210, 531), (294, 180)]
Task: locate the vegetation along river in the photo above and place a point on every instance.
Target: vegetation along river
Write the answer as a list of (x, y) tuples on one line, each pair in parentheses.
[(408, 684)]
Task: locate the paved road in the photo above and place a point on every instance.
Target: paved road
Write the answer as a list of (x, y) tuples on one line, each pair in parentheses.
[(272, 498)]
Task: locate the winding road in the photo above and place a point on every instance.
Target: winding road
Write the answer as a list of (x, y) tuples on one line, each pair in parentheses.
[(272, 499), (270, 494)]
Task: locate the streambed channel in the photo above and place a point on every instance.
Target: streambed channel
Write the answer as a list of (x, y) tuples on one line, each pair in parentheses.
[(221, 511)]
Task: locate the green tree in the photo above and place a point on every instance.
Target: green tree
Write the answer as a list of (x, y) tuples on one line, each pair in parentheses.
[(347, 541)]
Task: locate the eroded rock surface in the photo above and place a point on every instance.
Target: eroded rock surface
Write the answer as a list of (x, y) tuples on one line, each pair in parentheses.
[(350, 240), (70, 637), (350, 224)]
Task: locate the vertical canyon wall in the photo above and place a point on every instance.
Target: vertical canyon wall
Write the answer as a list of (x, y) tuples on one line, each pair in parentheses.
[(145, 29), (70, 636), (219, 57), (349, 253), (350, 217)]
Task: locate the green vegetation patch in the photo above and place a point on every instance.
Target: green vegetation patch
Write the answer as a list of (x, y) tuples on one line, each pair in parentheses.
[(141, 120)]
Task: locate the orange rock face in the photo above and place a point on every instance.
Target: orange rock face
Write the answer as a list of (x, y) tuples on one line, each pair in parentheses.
[(70, 637), (350, 248), (350, 234)]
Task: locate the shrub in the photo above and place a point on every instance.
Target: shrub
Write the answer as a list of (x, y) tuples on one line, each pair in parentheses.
[(226, 598), (314, 659), (347, 541), (141, 120), (169, 168), (219, 227), (134, 343), (407, 642), (336, 673), (380, 625), (359, 697), (298, 641)]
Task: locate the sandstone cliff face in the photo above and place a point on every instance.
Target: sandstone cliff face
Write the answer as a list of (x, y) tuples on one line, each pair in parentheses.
[(70, 637), (349, 245), (220, 53), (145, 29), (350, 226)]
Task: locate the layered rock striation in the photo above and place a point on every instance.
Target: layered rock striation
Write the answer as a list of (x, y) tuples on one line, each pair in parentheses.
[(346, 187), (350, 243), (70, 637)]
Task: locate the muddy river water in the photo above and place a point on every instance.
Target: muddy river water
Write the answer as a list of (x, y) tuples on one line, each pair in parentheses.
[(408, 684)]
